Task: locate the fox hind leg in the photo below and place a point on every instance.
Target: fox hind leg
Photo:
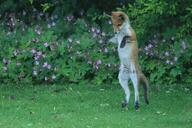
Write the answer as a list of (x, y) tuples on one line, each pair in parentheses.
[(134, 78), (123, 80)]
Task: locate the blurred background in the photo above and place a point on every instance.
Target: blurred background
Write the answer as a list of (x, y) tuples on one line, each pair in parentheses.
[(66, 41)]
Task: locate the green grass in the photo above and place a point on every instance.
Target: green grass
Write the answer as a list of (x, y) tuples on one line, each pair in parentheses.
[(57, 106)]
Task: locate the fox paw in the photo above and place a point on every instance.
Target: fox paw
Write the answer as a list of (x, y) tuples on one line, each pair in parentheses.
[(136, 105), (124, 104)]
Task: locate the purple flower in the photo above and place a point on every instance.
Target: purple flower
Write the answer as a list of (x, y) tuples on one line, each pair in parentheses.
[(93, 29), (33, 51), (8, 33), (48, 25), (55, 16), (70, 18), (98, 31), (94, 35), (171, 63), (97, 67), (81, 12), (36, 57), (100, 41), (35, 40), (35, 73), (43, 55), (53, 24), (78, 52), (106, 50), (89, 62), (184, 45), (38, 30), (78, 42), (36, 62), (52, 18), (49, 66), (175, 59), (146, 48), (18, 63), (55, 69), (108, 65), (6, 61), (98, 62), (41, 14), (150, 45), (103, 34), (167, 61), (70, 40), (151, 54), (39, 53), (45, 64), (53, 77), (167, 53), (15, 52), (46, 78), (46, 44), (4, 68)]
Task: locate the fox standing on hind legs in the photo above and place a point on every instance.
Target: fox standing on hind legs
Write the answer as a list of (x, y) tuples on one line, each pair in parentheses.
[(128, 54)]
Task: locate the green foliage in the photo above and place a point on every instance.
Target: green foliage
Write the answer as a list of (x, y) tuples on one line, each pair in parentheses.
[(46, 6), (163, 29), (40, 54), (61, 7)]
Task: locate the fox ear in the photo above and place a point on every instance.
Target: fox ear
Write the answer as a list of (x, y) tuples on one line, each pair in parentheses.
[(121, 17)]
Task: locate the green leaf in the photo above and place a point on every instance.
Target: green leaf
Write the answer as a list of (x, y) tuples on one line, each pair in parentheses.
[(31, 1), (46, 6)]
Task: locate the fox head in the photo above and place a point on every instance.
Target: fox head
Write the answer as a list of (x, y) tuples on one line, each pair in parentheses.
[(118, 18)]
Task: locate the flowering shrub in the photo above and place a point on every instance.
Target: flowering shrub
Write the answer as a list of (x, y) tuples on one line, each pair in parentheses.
[(63, 50)]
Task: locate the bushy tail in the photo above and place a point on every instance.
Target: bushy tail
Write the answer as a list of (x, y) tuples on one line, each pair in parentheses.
[(145, 84)]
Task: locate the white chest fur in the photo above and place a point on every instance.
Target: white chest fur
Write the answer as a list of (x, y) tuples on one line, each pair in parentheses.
[(125, 52)]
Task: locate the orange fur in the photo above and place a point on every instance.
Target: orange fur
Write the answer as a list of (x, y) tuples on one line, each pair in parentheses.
[(118, 18), (117, 23)]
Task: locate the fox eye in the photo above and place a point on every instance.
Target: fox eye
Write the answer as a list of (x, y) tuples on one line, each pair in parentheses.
[(121, 17)]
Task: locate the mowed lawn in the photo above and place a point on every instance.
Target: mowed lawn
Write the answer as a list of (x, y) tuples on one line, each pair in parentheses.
[(89, 106)]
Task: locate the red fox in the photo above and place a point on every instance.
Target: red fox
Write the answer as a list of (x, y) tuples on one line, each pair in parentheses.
[(128, 53)]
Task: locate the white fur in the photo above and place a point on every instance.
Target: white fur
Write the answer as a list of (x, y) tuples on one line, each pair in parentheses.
[(124, 53), (127, 68), (134, 79)]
